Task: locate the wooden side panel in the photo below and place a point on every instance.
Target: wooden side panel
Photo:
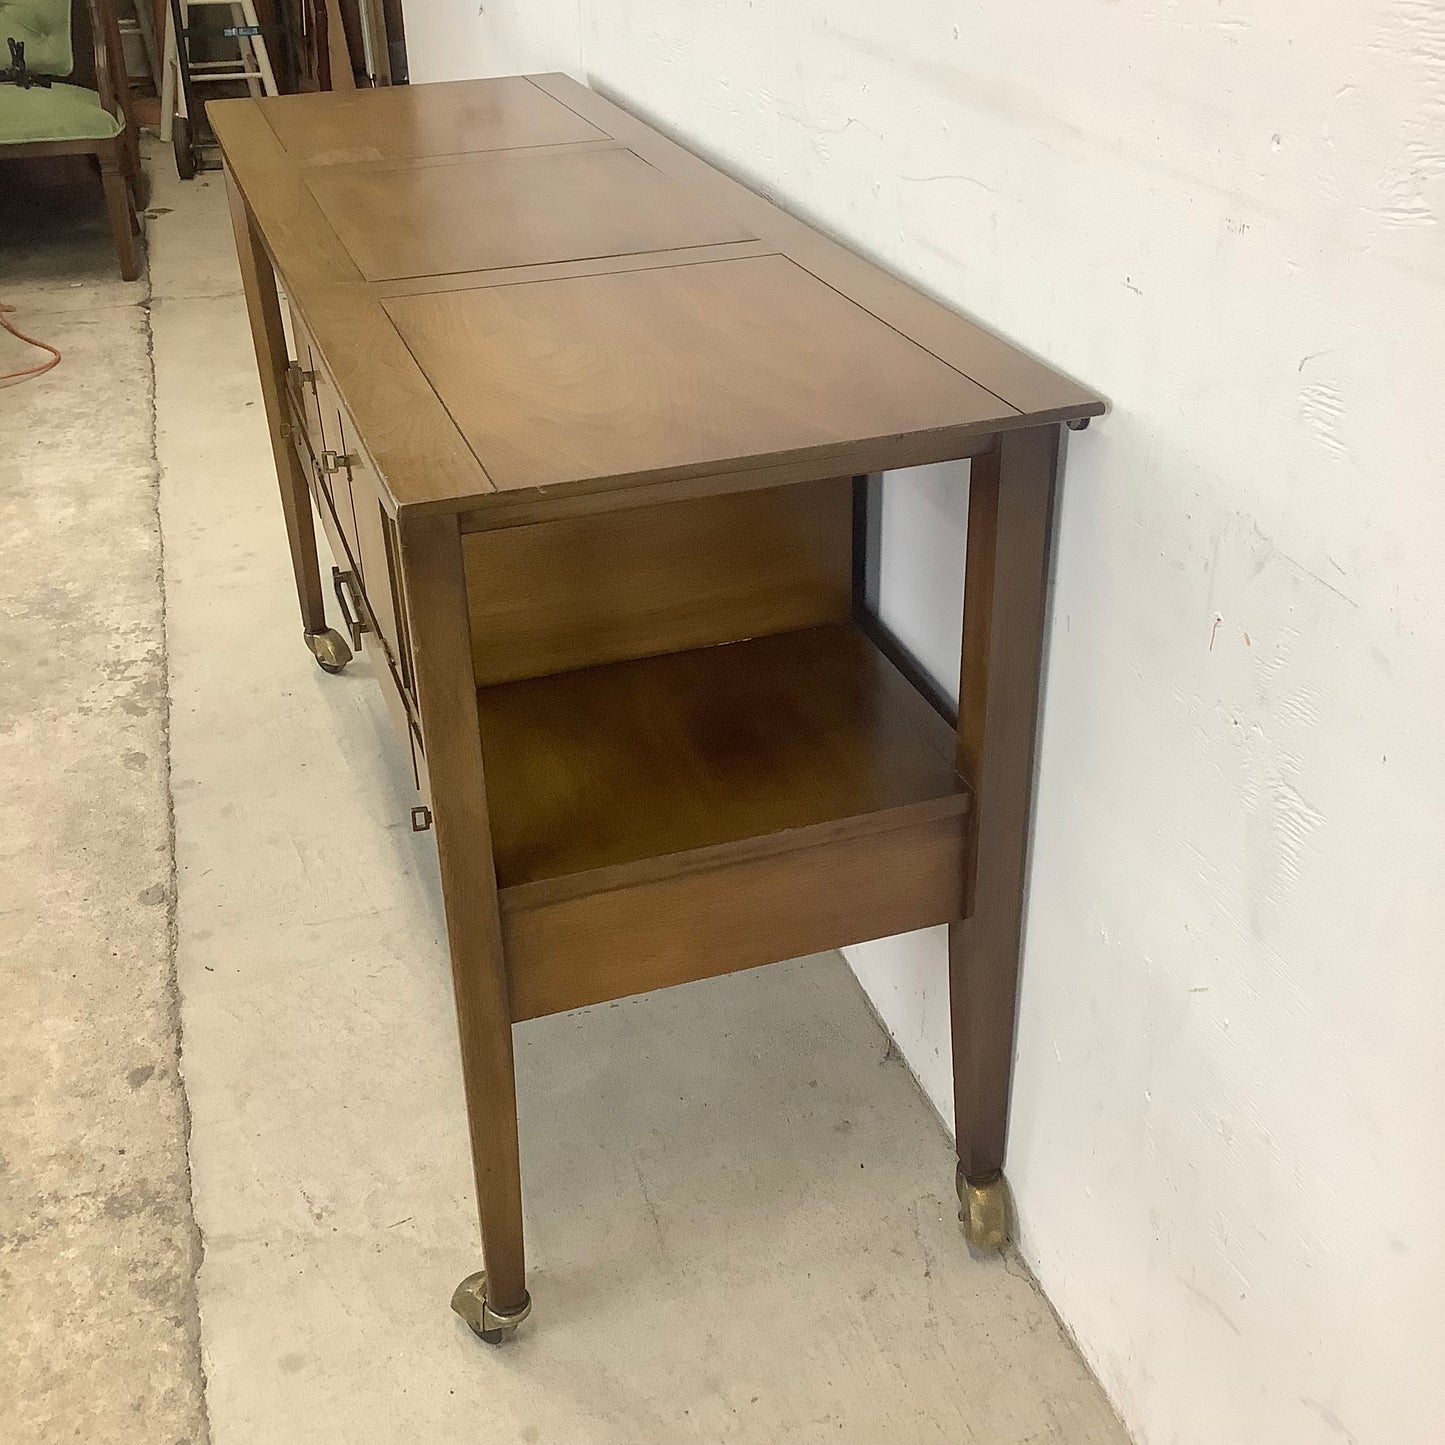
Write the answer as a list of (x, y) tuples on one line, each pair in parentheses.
[(607, 945), (584, 590)]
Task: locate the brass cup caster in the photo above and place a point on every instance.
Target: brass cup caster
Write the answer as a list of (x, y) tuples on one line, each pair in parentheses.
[(985, 1211), (329, 649), (469, 1300)]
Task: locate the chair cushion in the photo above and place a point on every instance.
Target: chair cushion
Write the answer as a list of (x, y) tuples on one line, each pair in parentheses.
[(44, 26), (63, 112)]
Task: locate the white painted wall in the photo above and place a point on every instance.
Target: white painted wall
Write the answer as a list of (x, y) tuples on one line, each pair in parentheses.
[(1228, 1135)]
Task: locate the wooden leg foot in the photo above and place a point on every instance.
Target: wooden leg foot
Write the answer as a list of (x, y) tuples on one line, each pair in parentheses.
[(329, 649), (984, 1211), (122, 218), (469, 1300)]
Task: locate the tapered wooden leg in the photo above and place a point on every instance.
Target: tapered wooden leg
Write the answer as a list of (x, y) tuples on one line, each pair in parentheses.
[(1010, 524), (122, 219), (435, 585), (269, 339)]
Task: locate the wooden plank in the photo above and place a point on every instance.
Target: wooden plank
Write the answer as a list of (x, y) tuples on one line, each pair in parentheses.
[(653, 757), (753, 911), (557, 270), (296, 234), (414, 446), (596, 589), (613, 378), (1024, 383), (398, 122), (511, 208), (523, 509)]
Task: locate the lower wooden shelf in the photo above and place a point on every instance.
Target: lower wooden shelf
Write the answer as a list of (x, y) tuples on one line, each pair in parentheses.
[(676, 817)]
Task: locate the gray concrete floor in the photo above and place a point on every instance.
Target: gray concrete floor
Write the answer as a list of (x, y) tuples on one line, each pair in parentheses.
[(98, 1324), (739, 1207)]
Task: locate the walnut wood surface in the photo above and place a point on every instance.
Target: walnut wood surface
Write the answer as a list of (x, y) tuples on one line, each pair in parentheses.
[(806, 363), (431, 560), (739, 913), (616, 377), (405, 121), (1010, 524), (512, 208), (593, 589), (654, 757)]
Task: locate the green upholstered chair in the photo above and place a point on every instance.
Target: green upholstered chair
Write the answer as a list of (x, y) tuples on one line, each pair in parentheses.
[(70, 98)]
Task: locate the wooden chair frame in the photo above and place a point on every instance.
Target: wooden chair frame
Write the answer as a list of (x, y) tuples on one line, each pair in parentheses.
[(118, 156)]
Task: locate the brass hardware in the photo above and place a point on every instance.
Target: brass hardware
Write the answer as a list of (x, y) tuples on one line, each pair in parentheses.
[(329, 649), (1078, 423), (345, 583), (332, 461), (985, 1214), (470, 1301), (421, 823), (287, 430)]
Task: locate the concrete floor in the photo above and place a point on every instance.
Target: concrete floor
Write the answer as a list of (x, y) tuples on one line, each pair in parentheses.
[(739, 1207), (98, 1324)]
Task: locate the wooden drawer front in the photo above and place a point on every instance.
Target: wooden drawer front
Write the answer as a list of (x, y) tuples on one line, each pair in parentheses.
[(373, 643), (333, 462), (605, 945), (317, 411), (391, 692), (301, 386), (376, 555)]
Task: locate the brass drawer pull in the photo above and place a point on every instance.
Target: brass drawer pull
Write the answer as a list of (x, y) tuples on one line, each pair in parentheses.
[(352, 610), (332, 461)]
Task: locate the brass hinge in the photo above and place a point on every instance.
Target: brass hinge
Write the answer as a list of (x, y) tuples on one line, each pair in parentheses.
[(420, 819), (331, 461)]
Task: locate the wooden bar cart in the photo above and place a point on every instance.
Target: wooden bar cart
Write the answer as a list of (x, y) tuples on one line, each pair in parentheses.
[(582, 419)]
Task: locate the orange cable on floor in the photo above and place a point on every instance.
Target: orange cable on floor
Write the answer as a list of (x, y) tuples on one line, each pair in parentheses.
[(30, 341)]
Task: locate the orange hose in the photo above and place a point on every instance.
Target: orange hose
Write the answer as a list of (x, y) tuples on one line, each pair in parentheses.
[(29, 341)]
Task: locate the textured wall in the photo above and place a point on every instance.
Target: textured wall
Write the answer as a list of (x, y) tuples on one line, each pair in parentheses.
[(1227, 1142)]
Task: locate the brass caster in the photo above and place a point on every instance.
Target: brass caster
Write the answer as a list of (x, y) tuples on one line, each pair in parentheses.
[(329, 649), (469, 1300), (985, 1211)]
